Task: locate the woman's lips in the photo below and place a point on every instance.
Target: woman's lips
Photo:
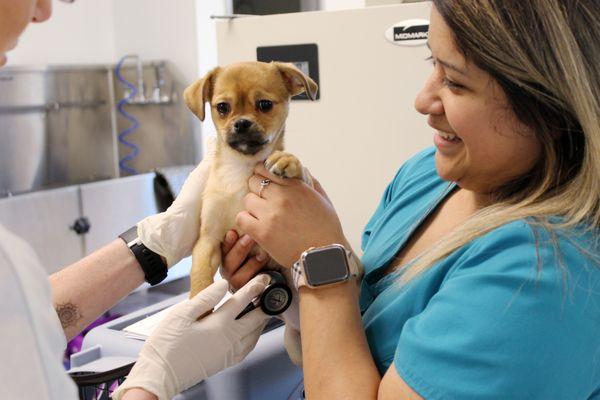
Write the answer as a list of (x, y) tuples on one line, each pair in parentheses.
[(443, 140)]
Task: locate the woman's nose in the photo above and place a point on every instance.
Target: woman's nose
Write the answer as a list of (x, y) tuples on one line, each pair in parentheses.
[(428, 101), (43, 11)]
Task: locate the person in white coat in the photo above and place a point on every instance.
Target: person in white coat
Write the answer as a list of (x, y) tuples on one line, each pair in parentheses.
[(182, 350)]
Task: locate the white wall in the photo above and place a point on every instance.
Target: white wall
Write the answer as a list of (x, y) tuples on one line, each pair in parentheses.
[(207, 47), (329, 5), (78, 33), (101, 31), (158, 29)]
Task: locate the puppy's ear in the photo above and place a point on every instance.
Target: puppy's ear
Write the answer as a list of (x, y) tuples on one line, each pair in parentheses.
[(199, 93), (295, 81)]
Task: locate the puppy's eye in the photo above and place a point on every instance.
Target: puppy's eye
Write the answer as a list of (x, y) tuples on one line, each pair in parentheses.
[(264, 105), (223, 108)]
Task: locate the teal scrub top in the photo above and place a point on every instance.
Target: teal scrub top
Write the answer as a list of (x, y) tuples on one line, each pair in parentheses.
[(487, 321)]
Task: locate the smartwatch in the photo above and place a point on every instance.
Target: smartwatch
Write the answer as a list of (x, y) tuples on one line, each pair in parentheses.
[(155, 269), (325, 266)]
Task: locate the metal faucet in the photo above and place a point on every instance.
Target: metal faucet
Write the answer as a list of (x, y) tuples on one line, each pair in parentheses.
[(141, 95), (157, 90), (159, 83)]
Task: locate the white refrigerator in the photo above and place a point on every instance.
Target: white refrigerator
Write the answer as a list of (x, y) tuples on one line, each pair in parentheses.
[(364, 125)]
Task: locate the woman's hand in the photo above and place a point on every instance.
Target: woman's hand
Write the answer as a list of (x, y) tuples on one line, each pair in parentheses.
[(183, 350), (289, 217), (238, 268)]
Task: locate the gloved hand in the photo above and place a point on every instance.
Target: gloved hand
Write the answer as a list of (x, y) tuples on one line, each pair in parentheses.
[(173, 233), (183, 351)]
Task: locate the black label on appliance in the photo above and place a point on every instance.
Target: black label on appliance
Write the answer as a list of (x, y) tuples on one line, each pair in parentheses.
[(415, 32)]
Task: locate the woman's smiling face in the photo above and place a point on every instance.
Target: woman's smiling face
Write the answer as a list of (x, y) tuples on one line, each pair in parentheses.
[(480, 143)]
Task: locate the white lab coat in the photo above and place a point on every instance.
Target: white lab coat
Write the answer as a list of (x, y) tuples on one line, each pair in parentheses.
[(31, 338)]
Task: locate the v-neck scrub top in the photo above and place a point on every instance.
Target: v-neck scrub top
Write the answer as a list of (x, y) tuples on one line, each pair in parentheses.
[(488, 321)]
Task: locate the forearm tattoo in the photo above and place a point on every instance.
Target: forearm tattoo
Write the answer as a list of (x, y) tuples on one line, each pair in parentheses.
[(68, 313)]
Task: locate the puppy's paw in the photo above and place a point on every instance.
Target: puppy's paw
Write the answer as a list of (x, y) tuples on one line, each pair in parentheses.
[(284, 165)]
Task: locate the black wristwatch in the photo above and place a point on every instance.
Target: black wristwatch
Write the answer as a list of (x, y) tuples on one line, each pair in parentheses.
[(155, 269)]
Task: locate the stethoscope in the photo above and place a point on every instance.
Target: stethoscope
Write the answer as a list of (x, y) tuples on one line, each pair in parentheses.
[(274, 300)]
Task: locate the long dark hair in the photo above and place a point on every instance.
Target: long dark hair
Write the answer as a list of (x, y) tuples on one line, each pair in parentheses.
[(545, 54)]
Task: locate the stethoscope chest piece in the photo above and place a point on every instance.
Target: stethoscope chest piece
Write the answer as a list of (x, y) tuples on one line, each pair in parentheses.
[(277, 296), (275, 299)]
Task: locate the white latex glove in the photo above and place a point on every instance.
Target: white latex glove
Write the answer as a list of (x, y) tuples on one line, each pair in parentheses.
[(183, 351), (173, 233)]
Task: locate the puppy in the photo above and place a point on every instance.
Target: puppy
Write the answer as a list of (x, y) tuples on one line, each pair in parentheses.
[(249, 104)]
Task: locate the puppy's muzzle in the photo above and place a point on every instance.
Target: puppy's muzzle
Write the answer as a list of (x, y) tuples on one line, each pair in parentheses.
[(242, 126), (246, 138)]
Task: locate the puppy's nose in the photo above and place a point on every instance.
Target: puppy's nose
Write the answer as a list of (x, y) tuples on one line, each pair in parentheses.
[(242, 125)]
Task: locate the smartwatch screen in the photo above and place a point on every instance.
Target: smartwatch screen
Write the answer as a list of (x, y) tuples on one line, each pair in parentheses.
[(325, 266)]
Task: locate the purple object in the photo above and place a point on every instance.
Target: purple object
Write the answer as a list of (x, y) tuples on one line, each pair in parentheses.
[(74, 345)]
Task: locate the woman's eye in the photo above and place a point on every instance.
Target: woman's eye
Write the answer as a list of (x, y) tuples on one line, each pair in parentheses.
[(264, 105), (431, 60), (451, 84), (223, 108)]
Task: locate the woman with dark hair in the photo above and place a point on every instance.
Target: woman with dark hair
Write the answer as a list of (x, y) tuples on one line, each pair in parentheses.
[(482, 263)]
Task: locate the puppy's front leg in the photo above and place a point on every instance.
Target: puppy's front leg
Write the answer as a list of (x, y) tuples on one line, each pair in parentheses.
[(206, 258), (287, 165), (206, 255)]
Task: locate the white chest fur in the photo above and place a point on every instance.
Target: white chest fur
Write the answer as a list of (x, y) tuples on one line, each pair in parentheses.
[(225, 191)]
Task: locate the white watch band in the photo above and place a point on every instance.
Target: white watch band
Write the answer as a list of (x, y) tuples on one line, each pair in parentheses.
[(299, 273)]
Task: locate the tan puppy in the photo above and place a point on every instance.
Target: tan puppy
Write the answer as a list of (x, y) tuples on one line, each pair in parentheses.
[(249, 104)]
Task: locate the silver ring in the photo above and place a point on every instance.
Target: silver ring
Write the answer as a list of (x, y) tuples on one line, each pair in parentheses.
[(263, 184)]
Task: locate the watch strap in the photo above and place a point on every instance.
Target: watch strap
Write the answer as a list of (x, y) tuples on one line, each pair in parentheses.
[(298, 275), (155, 269)]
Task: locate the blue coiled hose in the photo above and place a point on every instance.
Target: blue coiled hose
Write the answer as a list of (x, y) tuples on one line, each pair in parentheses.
[(134, 122)]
